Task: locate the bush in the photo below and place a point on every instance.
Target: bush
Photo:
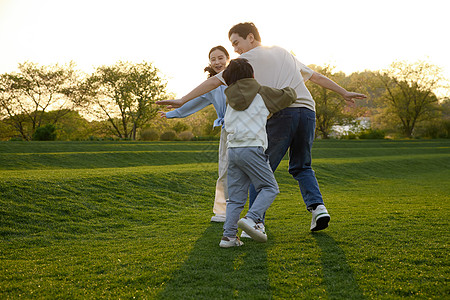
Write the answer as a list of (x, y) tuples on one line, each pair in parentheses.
[(93, 138), (168, 136), (435, 130), (349, 136), (186, 136), (16, 139), (180, 127), (149, 135), (372, 134), (45, 133)]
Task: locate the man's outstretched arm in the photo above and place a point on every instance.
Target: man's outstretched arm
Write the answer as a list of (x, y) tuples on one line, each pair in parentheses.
[(204, 87), (327, 83)]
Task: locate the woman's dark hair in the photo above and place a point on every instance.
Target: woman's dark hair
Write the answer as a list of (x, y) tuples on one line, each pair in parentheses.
[(209, 69), (237, 69), (244, 29)]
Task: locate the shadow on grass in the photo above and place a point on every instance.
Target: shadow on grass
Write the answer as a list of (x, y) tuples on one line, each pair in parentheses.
[(211, 272), (338, 275)]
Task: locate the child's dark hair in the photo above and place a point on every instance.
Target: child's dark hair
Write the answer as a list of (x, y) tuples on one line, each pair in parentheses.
[(244, 29), (238, 68), (209, 69)]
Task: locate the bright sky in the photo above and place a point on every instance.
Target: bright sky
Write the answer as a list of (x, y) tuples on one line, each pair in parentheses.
[(176, 35)]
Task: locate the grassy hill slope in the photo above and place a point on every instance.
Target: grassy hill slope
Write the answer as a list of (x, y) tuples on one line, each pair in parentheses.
[(123, 220)]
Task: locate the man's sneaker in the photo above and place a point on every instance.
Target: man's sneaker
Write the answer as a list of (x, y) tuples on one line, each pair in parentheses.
[(218, 218), (254, 230), (260, 227), (228, 242), (320, 218)]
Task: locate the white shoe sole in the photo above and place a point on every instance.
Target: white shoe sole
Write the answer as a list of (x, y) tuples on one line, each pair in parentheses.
[(218, 219), (251, 231)]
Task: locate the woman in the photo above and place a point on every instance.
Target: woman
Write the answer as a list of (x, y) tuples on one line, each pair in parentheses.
[(218, 61)]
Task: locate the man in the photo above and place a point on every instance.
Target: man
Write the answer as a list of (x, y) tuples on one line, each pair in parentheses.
[(293, 127)]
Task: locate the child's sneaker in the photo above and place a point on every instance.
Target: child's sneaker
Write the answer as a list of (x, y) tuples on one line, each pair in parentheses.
[(245, 235), (254, 230), (260, 227), (227, 242), (320, 218)]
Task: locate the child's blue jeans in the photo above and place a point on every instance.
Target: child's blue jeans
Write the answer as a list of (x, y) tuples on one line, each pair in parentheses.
[(248, 165)]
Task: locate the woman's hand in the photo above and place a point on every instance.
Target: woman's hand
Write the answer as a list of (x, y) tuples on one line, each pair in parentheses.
[(162, 114)]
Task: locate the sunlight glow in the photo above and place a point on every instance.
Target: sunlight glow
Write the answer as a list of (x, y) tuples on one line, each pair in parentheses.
[(352, 35)]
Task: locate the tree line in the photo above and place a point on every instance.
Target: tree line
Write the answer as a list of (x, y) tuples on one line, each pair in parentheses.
[(118, 102), (401, 102)]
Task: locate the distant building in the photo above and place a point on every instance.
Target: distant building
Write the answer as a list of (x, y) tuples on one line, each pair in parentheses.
[(360, 124)]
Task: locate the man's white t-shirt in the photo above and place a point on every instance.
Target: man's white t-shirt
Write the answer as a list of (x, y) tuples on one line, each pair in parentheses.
[(277, 68)]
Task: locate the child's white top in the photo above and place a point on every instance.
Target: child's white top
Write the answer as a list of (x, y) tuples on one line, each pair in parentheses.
[(249, 105), (247, 128), (277, 68)]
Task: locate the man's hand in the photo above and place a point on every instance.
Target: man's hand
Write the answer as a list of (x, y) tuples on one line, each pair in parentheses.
[(171, 103), (349, 96), (327, 83)]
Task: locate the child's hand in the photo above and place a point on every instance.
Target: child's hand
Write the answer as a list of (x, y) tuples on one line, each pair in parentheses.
[(162, 114)]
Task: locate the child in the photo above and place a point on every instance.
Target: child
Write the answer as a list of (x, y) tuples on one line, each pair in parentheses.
[(249, 105)]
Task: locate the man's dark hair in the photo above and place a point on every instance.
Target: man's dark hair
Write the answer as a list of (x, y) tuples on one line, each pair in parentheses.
[(237, 69), (244, 29)]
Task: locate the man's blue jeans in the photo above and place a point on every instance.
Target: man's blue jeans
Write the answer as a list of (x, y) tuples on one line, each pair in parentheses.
[(293, 128)]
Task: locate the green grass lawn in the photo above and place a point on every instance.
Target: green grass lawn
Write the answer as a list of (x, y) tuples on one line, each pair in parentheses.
[(130, 220)]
